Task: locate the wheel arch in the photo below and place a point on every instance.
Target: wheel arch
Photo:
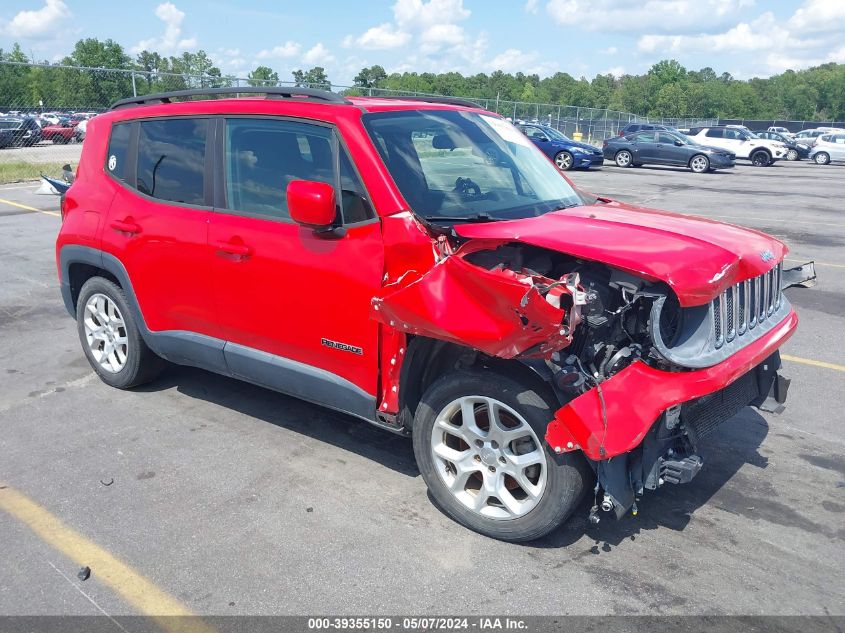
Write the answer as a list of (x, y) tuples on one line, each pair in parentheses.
[(427, 359)]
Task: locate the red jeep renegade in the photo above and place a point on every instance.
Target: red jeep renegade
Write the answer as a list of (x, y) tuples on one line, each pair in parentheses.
[(419, 264)]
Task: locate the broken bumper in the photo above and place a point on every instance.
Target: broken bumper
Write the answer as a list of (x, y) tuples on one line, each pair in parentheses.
[(614, 418)]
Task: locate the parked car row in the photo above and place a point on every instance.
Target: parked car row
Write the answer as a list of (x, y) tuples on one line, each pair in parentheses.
[(21, 130), (701, 149)]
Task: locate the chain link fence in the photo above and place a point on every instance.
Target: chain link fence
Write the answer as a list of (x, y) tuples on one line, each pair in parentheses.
[(44, 109)]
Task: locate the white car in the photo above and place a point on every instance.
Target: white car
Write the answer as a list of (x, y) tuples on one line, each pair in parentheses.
[(741, 142), (829, 147), (780, 130), (809, 137)]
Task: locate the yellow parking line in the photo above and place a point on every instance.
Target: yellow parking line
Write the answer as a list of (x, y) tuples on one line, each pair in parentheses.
[(789, 259), (136, 590), (26, 207), (814, 363)]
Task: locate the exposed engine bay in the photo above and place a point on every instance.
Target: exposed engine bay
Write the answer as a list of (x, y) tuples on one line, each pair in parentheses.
[(613, 313), (578, 323)]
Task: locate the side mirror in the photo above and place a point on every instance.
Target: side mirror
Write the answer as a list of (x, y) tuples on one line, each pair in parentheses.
[(679, 143), (312, 204), (545, 139)]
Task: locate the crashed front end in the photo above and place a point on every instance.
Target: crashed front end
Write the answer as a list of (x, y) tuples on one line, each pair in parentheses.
[(641, 378)]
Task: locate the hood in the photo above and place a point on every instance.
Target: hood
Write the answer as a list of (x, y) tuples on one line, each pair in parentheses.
[(584, 146), (697, 257)]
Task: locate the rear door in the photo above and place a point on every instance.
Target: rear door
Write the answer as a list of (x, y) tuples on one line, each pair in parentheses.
[(295, 305), (158, 220)]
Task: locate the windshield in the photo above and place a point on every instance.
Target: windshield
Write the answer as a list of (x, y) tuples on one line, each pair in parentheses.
[(555, 134), (457, 165)]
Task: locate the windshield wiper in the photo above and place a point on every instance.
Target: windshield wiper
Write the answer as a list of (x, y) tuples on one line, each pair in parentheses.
[(477, 217)]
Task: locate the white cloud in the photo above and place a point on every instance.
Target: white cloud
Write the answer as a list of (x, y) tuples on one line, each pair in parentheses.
[(288, 49), (531, 6), (512, 60), (616, 71), (419, 15), (610, 50), (42, 23), (819, 16), (774, 46), (658, 15), (383, 36), (171, 40), (318, 55)]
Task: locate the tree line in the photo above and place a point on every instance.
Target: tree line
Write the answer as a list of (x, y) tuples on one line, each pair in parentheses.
[(666, 90)]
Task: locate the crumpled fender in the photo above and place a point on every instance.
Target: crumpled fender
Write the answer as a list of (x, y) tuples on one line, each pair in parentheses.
[(614, 421), (499, 312)]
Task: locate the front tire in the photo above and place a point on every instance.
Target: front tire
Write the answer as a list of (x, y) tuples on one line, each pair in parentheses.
[(110, 336), (564, 161), (822, 158), (792, 154), (624, 158), (478, 442), (699, 164)]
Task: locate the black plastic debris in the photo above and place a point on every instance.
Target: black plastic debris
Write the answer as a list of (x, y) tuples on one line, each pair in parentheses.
[(107, 482), (84, 573)]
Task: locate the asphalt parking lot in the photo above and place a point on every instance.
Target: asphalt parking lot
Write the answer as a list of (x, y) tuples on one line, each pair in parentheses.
[(229, 499)]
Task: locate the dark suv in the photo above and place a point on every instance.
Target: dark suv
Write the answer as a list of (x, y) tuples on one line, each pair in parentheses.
[(644, 127), (419, 264), (23, 131)]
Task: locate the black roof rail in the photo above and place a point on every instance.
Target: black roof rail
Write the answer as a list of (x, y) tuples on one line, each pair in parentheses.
[(271, 92), (433, 99)]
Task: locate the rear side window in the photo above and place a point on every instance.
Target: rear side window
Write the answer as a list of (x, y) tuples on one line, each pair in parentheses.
[(171, 159), (715, 133), (644, 137), (118, 150)]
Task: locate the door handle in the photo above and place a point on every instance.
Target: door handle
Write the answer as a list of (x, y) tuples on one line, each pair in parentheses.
[(125, 226), (232, 248)]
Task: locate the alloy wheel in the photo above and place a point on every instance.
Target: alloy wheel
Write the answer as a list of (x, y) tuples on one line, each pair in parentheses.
[(792, 155), (822, 159), (105, 333), (563, 160), (623, 159), (489, 457), (699, 164)]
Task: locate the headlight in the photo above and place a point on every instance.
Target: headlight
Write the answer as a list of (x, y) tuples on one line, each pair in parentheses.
[(802, 146)]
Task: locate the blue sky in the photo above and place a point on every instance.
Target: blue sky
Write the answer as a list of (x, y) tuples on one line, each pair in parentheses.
[(582, 37)]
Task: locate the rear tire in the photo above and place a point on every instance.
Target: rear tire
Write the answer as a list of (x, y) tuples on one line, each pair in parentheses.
[(821, 158), (624, 158), (499, 479), (699, 164), (761, 158), (110, 336)]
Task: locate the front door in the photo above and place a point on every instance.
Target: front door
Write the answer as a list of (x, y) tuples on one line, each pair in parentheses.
[(293, 305), (668, 152), (645, 149)]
